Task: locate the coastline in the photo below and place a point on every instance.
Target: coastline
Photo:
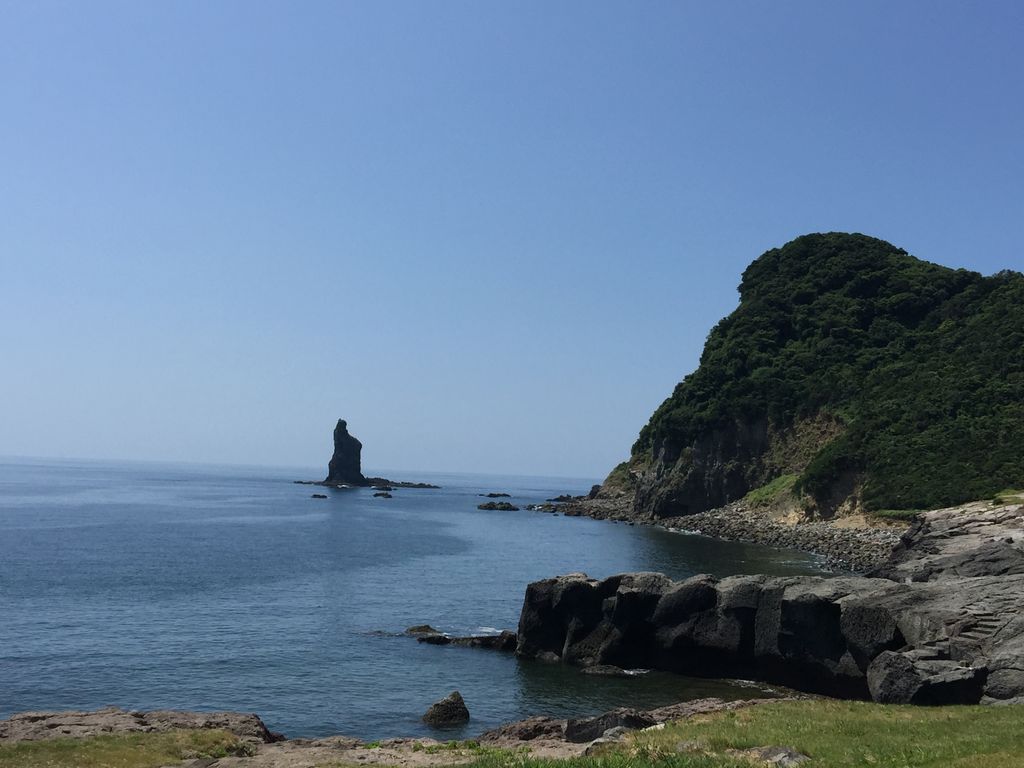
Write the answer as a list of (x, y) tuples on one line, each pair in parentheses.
[(854, 544), (539, 736)]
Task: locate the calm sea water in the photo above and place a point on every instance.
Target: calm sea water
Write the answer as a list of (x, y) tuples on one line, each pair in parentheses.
[(166, 586)]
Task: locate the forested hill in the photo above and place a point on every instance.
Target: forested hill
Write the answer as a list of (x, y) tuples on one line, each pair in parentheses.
[(853, 374)]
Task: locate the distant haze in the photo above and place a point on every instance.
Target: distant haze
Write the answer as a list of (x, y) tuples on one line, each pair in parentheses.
[(492, 236)]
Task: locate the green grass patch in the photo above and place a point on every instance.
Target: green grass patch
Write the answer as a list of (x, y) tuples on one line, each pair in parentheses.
[(467, 748), (770, 493), (1009, 496), (844, 734), (621, 759), (130, 750)]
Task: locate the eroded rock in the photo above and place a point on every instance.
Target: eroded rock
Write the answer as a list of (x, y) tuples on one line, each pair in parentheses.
[(451, 710), (939, 642)]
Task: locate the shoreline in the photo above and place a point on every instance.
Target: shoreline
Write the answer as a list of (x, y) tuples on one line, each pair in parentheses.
[(539, 736), (852, 544)]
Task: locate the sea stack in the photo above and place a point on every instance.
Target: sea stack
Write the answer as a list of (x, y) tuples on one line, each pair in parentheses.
[(344, 467)]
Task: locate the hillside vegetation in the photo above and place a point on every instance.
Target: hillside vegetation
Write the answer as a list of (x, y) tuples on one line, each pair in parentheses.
[(918, 368)]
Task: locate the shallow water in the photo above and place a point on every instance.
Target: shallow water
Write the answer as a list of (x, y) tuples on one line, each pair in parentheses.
[(168, 586)]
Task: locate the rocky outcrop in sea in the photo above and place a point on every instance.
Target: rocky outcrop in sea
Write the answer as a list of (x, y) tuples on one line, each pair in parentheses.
[(344, 470), (345, 467)]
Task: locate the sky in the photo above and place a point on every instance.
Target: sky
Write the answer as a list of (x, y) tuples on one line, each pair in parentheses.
[(490, 235)]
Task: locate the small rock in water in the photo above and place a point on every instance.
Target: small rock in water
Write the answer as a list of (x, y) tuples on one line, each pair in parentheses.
[(606, 670), (382, 495), (318, 496), (451, 710), (501, 506), (422, 629)]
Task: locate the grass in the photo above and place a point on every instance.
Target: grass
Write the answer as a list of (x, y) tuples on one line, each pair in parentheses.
[(130, 750), (835, 734), (617, 760), (845, 734), (770, 493), (1009, 496)]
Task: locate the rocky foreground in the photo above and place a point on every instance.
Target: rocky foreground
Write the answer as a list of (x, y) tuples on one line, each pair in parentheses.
[(540, 737), (940, 622)]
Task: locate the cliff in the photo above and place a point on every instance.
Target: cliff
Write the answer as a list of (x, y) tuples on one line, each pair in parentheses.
[(345, 467), (851, 376)]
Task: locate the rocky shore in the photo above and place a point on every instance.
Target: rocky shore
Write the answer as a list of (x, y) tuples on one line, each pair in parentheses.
[(539, 737), (941, 622), (851, 543)]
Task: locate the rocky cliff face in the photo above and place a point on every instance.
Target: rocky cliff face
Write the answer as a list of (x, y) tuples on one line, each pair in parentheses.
[(719, 466), (345, 465), (940, 639)]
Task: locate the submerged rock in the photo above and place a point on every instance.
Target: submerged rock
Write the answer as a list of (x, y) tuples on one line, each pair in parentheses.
[(422, 629), (451, 710), (503, 641), (318, 496), (607, 670)]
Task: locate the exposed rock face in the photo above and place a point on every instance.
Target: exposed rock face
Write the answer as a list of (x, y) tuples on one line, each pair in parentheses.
[(970, 540), (719, 467), (345, 465), (957, 640), (450, 710), (33, 726)]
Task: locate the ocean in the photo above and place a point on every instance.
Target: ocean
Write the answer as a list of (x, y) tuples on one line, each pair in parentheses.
[(145, 586)]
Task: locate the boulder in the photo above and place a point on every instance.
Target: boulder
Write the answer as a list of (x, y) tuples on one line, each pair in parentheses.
[(581, 730), (451, 710)]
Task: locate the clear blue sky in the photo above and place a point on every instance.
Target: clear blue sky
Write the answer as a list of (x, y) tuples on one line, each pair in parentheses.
[(491, 235)]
